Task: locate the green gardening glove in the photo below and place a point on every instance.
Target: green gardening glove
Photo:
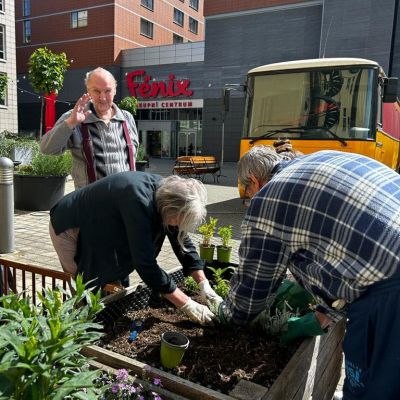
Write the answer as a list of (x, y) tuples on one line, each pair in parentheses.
[(305, 326), (297, 298)]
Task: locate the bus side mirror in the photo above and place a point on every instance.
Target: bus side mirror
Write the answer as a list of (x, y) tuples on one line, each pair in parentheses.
[(390, 90)]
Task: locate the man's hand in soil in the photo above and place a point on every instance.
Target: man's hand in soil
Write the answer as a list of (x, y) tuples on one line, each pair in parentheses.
[(207, 293), (197, 312), (306, 326)]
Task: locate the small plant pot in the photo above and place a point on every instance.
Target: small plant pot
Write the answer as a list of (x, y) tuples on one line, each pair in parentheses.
[(173, 347), (141, 165), (207, 253), (224, 254)]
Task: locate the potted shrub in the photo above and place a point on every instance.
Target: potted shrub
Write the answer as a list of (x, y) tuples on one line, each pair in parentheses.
[(225, 249), (206, 248), (40, 185), (140, 160)]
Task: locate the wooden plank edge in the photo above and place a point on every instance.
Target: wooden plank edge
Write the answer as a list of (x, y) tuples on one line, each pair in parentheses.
[(300, 363)]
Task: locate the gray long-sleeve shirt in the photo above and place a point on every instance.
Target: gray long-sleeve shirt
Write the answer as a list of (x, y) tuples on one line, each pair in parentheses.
[(108, 143)]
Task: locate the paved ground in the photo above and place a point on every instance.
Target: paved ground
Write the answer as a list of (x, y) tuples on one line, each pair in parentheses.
[(33, 245)]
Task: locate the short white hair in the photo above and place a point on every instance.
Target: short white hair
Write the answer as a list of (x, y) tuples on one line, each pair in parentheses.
[(182, 198), (99, 70), (258, 162)]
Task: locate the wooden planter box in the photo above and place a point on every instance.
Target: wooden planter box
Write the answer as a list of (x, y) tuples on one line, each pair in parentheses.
[(312, 373)]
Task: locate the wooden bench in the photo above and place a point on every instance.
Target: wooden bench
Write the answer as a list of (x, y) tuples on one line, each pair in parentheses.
[(198, 167)]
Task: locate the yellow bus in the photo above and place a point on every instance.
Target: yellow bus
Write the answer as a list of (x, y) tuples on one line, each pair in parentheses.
[(345, 104)]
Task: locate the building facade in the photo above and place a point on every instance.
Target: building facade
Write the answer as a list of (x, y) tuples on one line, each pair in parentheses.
[(94, 32), (182, 109), (8, 73)]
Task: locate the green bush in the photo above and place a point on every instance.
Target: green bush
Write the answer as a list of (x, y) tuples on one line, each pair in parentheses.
[(40, 346), (48, 165), (129, 103)]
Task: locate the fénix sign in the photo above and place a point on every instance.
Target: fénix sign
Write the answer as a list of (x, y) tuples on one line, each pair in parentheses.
[(168, 104), (148, 88)]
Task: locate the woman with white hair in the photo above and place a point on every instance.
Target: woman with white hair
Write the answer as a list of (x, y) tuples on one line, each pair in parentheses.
[(118, 224)]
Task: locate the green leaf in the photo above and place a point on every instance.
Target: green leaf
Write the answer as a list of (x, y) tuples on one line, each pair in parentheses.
[(14, 341)]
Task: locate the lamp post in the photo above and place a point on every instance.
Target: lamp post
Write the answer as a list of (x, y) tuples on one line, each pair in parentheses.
[(226, 93)]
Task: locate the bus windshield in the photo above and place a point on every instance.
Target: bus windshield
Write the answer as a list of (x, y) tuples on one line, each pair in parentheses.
[(313, 104)]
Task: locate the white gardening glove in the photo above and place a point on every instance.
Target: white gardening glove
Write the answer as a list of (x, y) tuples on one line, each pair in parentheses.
[(197, 312), (208, 294)]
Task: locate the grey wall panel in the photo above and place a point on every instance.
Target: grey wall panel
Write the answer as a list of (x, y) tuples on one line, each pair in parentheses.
[(358, 28), (261, 38), (212, 128)]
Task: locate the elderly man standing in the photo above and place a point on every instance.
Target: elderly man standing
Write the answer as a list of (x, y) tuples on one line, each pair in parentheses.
[(332, 219), (102, 138)]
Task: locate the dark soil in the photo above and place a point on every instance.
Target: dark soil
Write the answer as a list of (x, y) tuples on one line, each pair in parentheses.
[(218, 356)]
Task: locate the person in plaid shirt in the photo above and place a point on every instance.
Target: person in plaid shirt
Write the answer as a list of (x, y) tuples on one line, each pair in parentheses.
[(333, 220)]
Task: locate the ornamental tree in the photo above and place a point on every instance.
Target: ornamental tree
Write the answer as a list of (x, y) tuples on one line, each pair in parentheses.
[(46, 73)]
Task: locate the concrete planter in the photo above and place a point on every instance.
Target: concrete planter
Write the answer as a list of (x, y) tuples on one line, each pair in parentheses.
[(37, 193)]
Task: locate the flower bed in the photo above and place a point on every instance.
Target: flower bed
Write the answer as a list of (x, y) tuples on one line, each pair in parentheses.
[(221, 362)]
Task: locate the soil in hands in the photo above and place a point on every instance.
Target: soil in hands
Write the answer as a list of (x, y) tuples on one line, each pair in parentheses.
[(217, 357)]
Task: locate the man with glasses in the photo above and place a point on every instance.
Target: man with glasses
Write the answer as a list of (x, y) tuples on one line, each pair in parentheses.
[(332, 219), (103, 139)]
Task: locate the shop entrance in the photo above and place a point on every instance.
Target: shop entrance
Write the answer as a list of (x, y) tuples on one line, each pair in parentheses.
[(159, 144), (158, 138)]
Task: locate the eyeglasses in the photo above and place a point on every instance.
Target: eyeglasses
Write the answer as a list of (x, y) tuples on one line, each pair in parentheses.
[(246, 200)]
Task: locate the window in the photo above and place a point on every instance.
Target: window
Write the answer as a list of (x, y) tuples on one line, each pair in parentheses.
[(3, 99), (178, 17), (79, 19), (2, 42), (27, 31), (26, 8), (1, 5), (146, 28), (193, 25), (194, 4), (148, 4), (177, 39)]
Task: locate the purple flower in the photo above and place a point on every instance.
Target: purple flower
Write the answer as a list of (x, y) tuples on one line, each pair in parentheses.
[(115, 388), (157, 382), (122, 375), (132, 390)]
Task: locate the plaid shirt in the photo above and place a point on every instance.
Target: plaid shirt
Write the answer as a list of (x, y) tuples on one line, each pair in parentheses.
[(331, 218)]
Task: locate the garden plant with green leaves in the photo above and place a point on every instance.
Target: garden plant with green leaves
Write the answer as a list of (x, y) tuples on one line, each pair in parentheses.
[(220, 285), (47, 165), (225, 233), (129, 103), (207, 231), (3, 85), (40, 345)]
